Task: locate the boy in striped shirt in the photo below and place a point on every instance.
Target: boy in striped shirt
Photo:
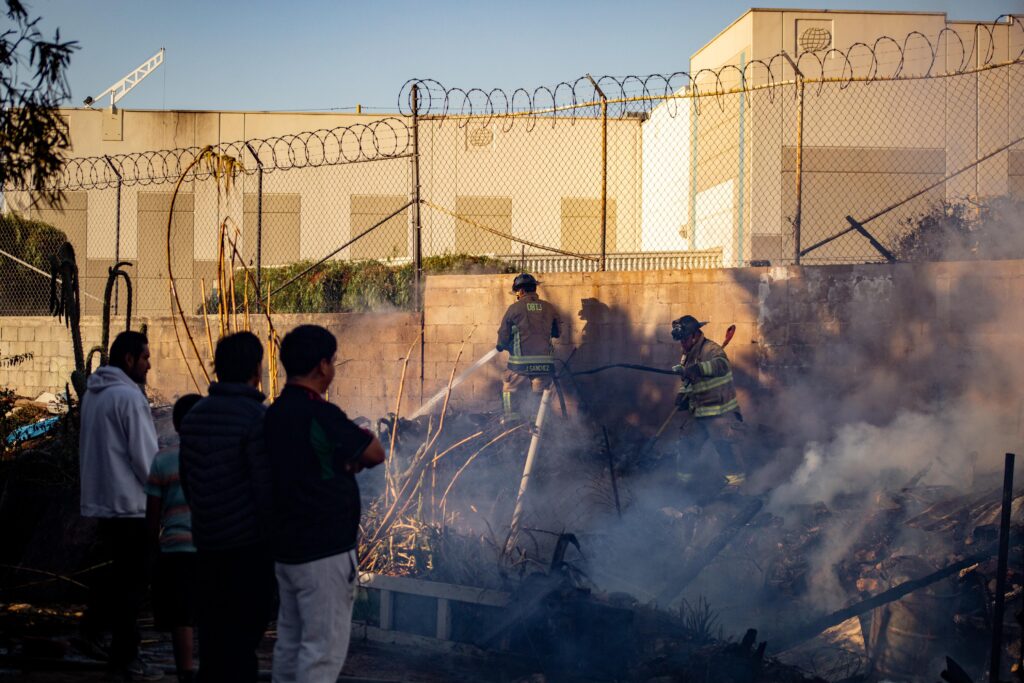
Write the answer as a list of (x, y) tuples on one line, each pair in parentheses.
[(170, 523)]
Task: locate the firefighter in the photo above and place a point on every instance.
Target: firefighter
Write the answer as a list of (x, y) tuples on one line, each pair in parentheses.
[(707, 398), (526, 332)]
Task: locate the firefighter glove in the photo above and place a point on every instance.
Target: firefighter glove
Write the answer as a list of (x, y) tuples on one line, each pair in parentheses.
[(692, 373), (682, 401)]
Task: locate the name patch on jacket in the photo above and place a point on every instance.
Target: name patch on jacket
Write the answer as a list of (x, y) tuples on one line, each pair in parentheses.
[(534, 307)]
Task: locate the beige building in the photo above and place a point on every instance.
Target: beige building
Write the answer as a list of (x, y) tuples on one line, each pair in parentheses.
[(731, 158), (540, 183), (705, 179)]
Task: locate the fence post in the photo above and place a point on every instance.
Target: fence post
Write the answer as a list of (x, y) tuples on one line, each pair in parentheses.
[(416, 227), (417, 264), (604, 173), (798, 217), (259, 222), (117, 232)]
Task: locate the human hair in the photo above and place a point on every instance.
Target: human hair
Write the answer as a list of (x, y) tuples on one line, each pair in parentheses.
[(303, 348), (181, 407), (237, 357), (126, 343)]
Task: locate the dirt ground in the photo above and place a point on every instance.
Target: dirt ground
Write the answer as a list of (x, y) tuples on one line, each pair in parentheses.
[(367, 662)]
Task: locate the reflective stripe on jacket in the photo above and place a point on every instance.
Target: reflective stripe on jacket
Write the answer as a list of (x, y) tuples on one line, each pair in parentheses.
[(713, 394), (526, 332)]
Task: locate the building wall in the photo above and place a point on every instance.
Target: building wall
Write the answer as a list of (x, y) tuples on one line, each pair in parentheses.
[(866, 146)]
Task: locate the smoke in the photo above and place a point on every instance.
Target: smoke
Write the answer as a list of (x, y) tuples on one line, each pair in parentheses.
[(868, 457)]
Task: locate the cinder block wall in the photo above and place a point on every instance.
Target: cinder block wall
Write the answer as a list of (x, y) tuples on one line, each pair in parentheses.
[(882, 336), (607, 318), (896, 335), (370, 349)]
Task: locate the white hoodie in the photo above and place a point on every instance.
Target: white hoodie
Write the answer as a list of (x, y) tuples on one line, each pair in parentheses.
[(116, 446)]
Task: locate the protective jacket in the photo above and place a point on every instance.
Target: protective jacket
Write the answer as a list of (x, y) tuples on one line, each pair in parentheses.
[(713, 394), (526, 332), (223, 466)]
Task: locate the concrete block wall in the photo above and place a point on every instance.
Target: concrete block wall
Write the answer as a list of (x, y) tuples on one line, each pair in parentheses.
[(829, 337), (607, 318), (807, 339), (370, 349)]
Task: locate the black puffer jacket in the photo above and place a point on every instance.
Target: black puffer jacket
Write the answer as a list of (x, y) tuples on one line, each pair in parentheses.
[(223, 465)]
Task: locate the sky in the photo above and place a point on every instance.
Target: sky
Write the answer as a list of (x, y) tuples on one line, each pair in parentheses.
[(324, 56)]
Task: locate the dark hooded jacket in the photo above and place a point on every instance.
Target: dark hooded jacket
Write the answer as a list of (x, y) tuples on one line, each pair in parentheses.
[(224, 466)]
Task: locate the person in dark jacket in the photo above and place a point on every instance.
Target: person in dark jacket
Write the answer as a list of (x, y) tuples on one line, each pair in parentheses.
[(315, 452), (222, 466)]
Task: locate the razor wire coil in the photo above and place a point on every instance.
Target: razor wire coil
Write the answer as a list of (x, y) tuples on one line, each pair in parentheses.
[(387, 138), (887, 59)]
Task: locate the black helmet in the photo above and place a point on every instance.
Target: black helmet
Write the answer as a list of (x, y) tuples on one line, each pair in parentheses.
[(685, 326), (524, 281)]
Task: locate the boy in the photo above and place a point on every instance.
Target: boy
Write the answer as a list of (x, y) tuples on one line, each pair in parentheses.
[(170, 523)]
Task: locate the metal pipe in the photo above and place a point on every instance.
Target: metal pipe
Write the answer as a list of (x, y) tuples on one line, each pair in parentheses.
[(604, 172), (259, 221), (604, 182), (531, 457), (798, 213), (995, 659), (417, 235), (415, 199), (798, 218)]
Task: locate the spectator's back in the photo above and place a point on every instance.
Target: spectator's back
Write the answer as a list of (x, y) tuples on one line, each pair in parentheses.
[(218, 437)]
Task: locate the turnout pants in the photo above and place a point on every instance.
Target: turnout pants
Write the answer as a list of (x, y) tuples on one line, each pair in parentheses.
[(515, 391), (236, 599), (119, 589), (723, 432), (314, 622)]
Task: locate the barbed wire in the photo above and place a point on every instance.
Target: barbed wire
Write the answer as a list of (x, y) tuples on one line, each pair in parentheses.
[(887, 59), (387, 138)]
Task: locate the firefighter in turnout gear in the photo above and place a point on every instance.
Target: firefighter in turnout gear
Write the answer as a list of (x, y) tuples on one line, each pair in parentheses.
[(707, 399), (526, 332)]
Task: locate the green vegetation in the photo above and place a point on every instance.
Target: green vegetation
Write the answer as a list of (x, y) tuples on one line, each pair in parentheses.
[(23, 291), (963, 231), (338, 286)]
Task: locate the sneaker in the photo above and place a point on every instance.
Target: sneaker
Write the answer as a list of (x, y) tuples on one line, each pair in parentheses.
[(138, 670)]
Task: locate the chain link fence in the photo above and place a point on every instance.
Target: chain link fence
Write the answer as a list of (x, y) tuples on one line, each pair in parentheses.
[(831, 157)]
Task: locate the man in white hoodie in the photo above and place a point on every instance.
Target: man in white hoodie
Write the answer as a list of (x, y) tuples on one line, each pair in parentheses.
[(116, 448)]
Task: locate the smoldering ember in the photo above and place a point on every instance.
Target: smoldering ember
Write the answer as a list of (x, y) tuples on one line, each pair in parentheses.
[(703, 377)]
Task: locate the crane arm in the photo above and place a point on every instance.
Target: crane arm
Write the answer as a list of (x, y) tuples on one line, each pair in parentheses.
[(136, 76)]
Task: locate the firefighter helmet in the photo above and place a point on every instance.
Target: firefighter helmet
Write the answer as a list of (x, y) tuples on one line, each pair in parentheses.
[(685, 326), (524, 281)]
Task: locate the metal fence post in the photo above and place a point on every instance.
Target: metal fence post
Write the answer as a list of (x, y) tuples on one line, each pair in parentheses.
[(798, 217), (117, 231), (604, 173), (259, 222), (417, 264), (416, 227)]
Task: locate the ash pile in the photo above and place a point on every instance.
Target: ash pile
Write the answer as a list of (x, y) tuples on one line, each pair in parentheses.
[(616, 573)]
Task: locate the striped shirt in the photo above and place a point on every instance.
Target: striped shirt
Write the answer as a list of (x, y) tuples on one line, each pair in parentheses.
[(175, 517)]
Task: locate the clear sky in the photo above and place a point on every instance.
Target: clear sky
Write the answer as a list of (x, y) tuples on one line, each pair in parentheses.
[(320, 55)]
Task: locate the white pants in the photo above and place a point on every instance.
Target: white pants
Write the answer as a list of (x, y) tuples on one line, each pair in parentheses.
[(314, 621)]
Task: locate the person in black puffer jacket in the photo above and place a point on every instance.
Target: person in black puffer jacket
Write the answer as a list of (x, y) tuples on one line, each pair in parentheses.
[(223, 468)]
